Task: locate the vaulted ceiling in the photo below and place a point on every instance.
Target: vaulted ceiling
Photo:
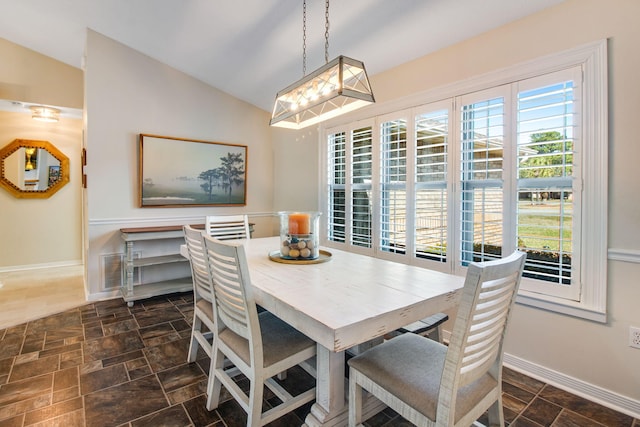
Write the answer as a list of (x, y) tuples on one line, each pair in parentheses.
[(253, 48)]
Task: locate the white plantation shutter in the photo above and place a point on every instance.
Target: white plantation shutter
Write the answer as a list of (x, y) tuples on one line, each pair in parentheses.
[(548, 205), (393, 186), (361, 165), (481, 185), (431, 196), (337, 173)]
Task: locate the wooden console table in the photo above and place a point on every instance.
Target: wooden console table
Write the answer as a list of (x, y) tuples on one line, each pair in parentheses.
[(132, 236), (148, 236)]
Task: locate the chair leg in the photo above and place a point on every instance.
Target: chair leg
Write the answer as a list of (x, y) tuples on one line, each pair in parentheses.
[(495, 413), (256, 391), (436, 334), (193, 346), (214, 386), (355, 403)]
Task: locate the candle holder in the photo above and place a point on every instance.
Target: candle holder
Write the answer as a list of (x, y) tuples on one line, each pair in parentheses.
[(299, 237)]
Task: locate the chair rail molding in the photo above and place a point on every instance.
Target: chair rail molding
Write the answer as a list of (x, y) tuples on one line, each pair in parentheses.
[(625, 255), (168, 219)]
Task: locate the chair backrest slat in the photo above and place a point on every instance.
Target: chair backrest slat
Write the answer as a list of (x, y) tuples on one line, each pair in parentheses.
[(227, 227)]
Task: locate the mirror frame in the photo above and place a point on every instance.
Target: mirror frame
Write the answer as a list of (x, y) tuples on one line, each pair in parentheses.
[(16, 191)]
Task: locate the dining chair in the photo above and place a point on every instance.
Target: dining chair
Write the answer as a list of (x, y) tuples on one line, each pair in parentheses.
[(259, 345), (430, 384), (203, 319), (224, 227)]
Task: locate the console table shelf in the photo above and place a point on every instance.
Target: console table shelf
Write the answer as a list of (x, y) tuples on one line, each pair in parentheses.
[(169, 236), (158, 288)]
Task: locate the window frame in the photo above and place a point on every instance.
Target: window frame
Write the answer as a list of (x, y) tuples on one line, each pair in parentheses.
[(592, 58)]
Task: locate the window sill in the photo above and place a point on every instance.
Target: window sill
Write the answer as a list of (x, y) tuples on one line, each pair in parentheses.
[(569, 308)]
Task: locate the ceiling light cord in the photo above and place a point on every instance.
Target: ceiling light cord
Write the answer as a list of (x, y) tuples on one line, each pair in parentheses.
[(304, 38), (326, 33), (304, 35)]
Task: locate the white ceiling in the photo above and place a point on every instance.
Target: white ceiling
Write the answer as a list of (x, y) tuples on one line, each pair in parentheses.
[(253, 48)]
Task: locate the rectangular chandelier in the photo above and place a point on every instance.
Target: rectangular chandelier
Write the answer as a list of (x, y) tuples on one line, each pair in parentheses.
[(338, 87)]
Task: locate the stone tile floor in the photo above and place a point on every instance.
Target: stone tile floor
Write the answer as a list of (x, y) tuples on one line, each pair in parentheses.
[(105, 364)]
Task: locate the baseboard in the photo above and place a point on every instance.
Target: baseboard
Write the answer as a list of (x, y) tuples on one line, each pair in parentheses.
[(578, 387), (103, 296), (71, 263)]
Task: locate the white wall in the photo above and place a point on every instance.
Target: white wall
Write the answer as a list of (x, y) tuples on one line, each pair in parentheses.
[(591, 358), (128, 93)]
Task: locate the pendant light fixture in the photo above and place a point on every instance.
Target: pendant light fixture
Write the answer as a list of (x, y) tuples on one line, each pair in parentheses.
[(338, 87)]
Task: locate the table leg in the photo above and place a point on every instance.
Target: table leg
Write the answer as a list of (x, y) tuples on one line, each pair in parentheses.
[(330, 408), (330, 390)]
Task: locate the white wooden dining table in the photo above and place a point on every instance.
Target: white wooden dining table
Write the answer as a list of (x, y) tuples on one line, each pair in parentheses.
[(343, 304)]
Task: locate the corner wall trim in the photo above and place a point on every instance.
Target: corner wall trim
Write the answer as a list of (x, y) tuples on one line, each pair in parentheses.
[(578, 387)]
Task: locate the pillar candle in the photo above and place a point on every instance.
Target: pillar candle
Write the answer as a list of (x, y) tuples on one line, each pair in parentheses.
[(299, 223)]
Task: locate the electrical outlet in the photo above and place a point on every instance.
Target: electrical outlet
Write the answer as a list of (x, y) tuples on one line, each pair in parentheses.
[(634, 337)]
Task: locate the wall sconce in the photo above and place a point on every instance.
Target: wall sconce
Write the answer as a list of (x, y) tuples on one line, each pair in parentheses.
[(44, 114)]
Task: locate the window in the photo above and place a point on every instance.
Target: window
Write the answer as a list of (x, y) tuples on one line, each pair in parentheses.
[(514, 163)]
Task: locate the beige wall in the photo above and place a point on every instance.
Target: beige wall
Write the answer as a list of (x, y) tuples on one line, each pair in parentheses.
[(128, 93), (30, 77), (592, 357), (41, 232)]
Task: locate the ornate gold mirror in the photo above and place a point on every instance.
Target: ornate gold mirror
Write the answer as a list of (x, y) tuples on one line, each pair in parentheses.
[(33, 169)]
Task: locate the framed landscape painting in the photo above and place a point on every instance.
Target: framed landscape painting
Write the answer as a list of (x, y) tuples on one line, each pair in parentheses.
[(177, 172)]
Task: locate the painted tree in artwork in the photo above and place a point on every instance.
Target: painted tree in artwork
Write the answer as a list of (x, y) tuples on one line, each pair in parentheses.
[(210, 177), (230, 173), (232, 170)]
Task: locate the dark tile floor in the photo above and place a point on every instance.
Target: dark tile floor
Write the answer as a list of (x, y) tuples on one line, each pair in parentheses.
[(105, 364)]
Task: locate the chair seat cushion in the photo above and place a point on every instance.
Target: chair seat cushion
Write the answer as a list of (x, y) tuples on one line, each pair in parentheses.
[(410, 367), (279, 340)]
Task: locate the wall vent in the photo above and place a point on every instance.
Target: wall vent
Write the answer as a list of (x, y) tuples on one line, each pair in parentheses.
[(112, 272)]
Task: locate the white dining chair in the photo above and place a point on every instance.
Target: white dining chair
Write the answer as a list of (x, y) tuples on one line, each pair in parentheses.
[(430, 384), (260, 345), (203, 319), (225, 227)]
